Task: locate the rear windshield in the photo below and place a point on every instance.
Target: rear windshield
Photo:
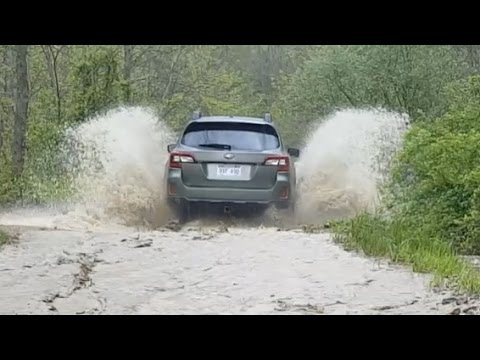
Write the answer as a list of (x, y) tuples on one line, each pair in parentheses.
[(239, 136)]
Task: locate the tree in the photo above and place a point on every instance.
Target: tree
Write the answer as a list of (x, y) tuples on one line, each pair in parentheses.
[(21, 110), (51, 56), (95, 82), (128, 63), (403, 78)]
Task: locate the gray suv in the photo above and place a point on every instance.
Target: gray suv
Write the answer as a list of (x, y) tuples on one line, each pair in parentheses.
[(229, 163)]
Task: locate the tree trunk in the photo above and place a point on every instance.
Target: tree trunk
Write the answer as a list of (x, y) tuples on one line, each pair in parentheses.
[(57, 84), (48, 57), (1, 131), (21, 110), (51, 57), (127, 68), (172, 73), (128, 62), (472, 56), (9, 62)]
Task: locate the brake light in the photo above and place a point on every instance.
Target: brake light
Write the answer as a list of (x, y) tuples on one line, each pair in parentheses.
[(177, 158), (282, 162)]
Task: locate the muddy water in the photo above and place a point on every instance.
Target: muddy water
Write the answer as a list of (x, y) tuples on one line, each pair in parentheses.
[(345, 161), (117, 162), (203, 271)]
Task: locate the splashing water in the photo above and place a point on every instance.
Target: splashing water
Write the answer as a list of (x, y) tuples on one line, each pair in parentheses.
[(345, 160), (118, 162)]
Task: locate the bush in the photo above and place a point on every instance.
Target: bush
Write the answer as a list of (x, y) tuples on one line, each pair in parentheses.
[(437, 179)]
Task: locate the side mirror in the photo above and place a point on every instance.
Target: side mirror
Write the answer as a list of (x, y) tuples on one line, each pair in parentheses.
[(294, 152), (171, 147)]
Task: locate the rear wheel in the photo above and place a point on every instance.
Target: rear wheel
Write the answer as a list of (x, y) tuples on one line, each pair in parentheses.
[(286, 212), (290, 210), (183, 213), (286, 206), (255, 210)]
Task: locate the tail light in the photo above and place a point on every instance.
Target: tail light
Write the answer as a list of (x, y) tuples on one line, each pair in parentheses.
[(177, 158), (282, 162), (171, 189)]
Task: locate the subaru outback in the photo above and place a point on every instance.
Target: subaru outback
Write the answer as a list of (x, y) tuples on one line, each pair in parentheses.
[(229, 162)]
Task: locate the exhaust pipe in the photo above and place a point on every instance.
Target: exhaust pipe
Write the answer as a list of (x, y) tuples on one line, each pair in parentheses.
[(226, 209)]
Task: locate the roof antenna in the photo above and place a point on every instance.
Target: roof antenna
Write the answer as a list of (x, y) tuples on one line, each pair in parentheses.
[(268, 117), (197, 115)]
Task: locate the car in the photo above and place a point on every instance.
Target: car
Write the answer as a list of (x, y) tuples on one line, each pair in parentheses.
[(230, 163)]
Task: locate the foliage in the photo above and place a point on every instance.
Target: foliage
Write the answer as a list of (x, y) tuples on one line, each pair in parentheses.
[(402, 78), (438, 174), (95, 83), (4, 238), (210, 87)]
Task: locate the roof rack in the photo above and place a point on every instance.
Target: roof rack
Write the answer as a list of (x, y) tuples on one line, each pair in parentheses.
[(196, 115), (268, 117)]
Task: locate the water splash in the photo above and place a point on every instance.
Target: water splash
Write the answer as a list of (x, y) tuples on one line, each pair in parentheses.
[(345, 161), (117, 161)]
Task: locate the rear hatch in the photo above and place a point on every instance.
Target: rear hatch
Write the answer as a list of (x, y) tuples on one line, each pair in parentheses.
[(229, 154)]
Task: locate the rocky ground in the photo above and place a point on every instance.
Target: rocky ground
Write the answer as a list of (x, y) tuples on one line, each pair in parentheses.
[(206, 270)]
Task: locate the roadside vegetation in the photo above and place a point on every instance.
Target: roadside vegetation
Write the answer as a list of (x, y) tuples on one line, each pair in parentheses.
[(431, 209), (4, 238)]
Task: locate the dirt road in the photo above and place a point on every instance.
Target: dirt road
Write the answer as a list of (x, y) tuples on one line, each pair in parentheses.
[(204, 271)]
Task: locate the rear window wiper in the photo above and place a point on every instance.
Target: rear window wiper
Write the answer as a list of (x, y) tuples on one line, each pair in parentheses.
[(216, 146)]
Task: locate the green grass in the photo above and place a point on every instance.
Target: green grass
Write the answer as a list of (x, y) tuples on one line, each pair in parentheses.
[(406, 244), (4, 238)]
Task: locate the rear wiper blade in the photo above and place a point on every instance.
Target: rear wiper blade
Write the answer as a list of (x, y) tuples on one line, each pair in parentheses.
[(217, 146)]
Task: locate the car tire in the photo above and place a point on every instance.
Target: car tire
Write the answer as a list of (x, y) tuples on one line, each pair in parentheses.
[(291, 209), (183, 213), (287, 209)]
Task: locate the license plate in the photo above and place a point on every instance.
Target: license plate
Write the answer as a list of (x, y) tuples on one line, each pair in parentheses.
[(229, 171), (233, 172)]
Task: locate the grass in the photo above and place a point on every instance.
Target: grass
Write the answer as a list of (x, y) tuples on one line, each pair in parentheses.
[(4, 238), (406, 244)]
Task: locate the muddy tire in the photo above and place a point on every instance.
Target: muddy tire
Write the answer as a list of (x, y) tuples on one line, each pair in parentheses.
[(286, 207), (286, 214), (183, 214), (290, 210), (256, 211)]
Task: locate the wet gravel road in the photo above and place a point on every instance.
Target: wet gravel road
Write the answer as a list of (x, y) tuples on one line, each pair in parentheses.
[(205, 271)]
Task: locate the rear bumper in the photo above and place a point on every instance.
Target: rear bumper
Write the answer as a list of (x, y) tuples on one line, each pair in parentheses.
[(178, 192)]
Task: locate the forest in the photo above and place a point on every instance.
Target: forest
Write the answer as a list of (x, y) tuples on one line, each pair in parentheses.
[(433, 194)]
